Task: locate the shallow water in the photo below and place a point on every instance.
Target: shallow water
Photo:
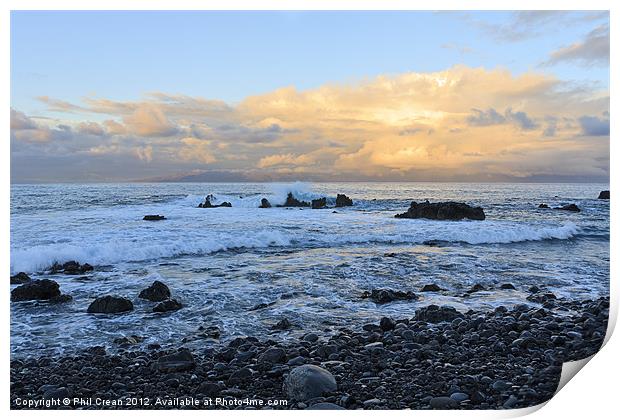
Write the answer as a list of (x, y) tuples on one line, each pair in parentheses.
[(314, 264)]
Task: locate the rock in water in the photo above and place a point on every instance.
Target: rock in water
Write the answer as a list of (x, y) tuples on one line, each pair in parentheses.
[(431, 288), (36, 290), (20, 278), (157, 292), (207, 204), (448, 210), (153, 217), (343, 201), (71, 267), (569, 207), (293, 202), (177, 362), (168, 305), (264, 204), (309, 381), (543, 206), (110, 305), (604, 195), (434, 313), (387, 295), (319, 203)]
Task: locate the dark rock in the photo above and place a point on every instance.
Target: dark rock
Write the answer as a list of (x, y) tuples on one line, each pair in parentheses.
[(319, 203), (282, 325), (71, 267), (153, 217), (387, 324), (208, 205), (543, 206), (272, 355), (434, 313), (36, 290), (431, 288), (387, 295), (56, 393), (293, 202), (604, 195), (343, 201), (309, 381), (507, 286), (156, 292), (110, 305), (168, 305), (476, 288), (210, 389), (569, 207), (443, 403), (264, 204), (448, 210), (262, 306), (177, 362), (132, 340), (459, 396), (61, 299), (20, 278)]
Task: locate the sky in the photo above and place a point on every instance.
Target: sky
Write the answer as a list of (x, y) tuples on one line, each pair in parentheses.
[(342, 96)]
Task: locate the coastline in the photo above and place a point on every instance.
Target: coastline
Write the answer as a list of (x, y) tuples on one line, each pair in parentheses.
[(441, 358)]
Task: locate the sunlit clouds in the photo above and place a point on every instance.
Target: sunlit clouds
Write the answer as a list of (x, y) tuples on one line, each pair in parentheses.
[(457, 124)]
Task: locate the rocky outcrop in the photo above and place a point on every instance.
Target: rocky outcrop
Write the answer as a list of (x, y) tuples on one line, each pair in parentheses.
[(448, 210), (386, 295), (343, 201), (153, 217), (431, 288), (110, 305), (264, 204), (291, 201), (569, 207), (309, 381), (168, 305), (208, 205), (604, 195), (36, 290), (156, 292), (319, 203), (20, 278), (71, 267)]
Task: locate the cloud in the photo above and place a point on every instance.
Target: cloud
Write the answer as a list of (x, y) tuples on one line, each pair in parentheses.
[(592, 51), (594, 126), (149, 121), (451, 124), (492, 117)]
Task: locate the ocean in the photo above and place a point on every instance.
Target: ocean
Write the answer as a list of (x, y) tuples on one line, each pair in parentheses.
[(310, 266)]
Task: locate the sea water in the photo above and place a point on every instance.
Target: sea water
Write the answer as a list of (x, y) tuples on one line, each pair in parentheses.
[(312, 266)]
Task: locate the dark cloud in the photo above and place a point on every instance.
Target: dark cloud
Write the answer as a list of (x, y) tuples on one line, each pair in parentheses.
[(594, 126), (592, 51), (20, 121), (490, 117)]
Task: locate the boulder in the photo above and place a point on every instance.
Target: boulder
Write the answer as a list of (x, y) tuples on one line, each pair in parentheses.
[(264, 204), (543, 206), (476, 288), (71, 267), (154, 217), (604, 195), (282, 325), (319, 203), (177, 362), (272, 355), (207, 204), (448, 210), (387, 295), (110, 305), (431, 288), (443, 403), (309, 381), (293, 202), (569, 207), (156, 292), (20, 278), (434, 314), (36, 290), (343, 201), (168, 305)]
